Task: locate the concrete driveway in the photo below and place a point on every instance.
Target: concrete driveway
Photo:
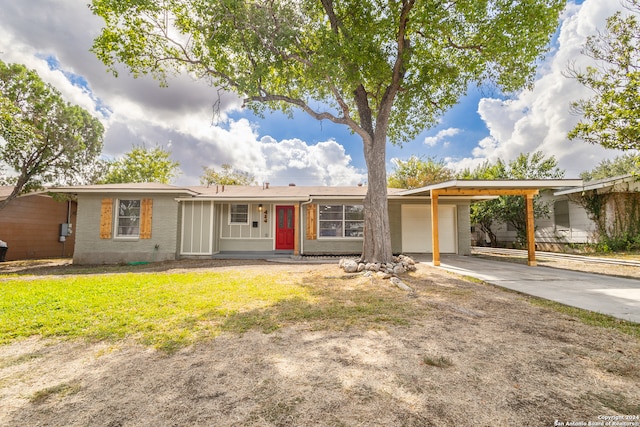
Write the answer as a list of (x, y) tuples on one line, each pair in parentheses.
[(618, 297)]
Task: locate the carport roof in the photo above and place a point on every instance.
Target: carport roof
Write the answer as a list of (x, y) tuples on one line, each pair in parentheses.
[(484, 188)]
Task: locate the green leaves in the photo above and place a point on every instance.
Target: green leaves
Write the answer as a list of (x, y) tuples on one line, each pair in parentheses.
[(621, 165), (227, 176), (413, 59), (511, 209), (610, 117), (48, 141), (416, 172), (141, 164)]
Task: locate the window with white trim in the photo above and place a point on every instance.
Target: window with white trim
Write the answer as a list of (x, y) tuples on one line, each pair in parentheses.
[(128, 218), (239, 214), (341, 221)]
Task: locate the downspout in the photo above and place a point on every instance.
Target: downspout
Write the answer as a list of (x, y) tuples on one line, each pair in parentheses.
[(302, 235)]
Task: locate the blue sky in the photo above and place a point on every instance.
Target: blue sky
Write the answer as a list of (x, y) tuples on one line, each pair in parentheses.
[(54, 37), (463, 116)]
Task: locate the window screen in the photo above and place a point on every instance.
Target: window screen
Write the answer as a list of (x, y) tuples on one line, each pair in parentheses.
[(128, 218), (239, 214)]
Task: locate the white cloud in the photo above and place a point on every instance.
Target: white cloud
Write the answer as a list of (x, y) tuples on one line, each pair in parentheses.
[(294, 161), (178, 118), (540, 119), (432, 141)]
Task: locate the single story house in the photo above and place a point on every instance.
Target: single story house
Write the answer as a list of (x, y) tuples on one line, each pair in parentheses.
[(612, 206), (119, 223), (570, 224), (35, 225)]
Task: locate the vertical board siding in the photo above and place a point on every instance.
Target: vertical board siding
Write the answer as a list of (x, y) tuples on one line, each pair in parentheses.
[(247, 231), (197, 228), (187, 228)]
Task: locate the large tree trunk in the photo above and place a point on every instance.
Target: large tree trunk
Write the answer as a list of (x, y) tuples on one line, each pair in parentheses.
[(377, 234)]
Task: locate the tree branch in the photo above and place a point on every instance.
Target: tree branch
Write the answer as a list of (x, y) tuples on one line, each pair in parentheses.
[(299, 103), (331, 14), (403, 45), (476, 47)]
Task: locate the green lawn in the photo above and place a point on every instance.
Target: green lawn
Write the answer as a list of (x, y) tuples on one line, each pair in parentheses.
[(164, 310), (171, 310)]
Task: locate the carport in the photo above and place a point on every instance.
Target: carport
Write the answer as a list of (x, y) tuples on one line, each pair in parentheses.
[(477, 190)]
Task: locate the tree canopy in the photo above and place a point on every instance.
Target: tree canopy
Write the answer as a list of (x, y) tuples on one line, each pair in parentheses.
[(511, 209), (227, 176), (609, 168), (141, 164), (418, 172), (386, 69), (46, 140), (484, 214), (610, 116)]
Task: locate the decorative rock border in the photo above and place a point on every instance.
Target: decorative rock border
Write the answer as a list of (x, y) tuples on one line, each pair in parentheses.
[(400, 265)]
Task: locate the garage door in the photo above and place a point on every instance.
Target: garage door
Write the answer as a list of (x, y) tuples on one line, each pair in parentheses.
[(416, 228)]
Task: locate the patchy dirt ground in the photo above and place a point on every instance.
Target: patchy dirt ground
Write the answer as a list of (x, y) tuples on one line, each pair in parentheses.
[(479, 356)]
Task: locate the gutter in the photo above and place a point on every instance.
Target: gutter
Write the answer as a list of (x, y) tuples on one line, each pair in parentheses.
[(595, 186), (239, 199)]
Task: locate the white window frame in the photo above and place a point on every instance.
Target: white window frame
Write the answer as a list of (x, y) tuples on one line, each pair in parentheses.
[(344, 221), (116, 232), (231, 213)]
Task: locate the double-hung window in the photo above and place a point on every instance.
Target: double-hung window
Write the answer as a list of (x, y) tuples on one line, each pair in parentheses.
[(239, 214), (341, 221), (128, 218)]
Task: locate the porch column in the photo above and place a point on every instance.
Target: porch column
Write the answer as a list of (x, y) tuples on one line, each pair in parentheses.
[(435, 238), (296, 229), (531, 243)]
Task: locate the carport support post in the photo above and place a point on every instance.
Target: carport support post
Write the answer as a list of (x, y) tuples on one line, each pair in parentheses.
[(531, 243), (435, 239)]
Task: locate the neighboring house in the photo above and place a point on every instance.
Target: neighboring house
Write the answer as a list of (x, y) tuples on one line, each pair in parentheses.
[(119, 223), (570, 224), (613, 206), (36, 226)]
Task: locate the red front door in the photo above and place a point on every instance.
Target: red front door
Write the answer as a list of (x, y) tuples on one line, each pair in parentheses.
[(284, 227)]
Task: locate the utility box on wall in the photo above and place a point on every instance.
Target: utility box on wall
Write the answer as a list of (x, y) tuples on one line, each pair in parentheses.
[(66, 229)]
